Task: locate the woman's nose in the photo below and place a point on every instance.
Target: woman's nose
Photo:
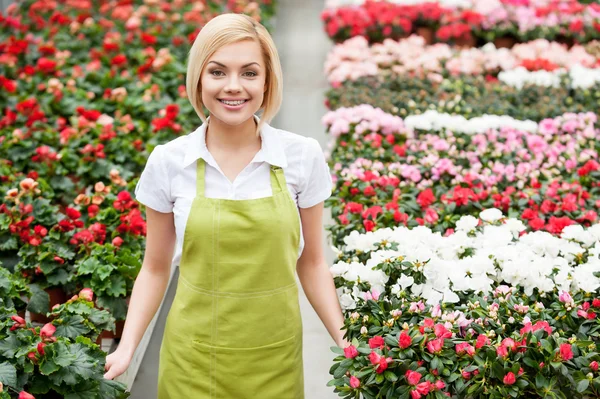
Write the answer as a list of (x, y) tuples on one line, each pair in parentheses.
[(233, 84)]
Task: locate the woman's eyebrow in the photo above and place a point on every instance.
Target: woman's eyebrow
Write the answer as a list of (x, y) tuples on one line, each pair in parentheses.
[(243, 66)]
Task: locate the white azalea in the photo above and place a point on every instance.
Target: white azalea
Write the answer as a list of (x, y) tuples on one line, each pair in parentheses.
[(491, 215)]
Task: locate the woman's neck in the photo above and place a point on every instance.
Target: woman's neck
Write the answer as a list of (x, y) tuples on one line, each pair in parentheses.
[(222, 136)]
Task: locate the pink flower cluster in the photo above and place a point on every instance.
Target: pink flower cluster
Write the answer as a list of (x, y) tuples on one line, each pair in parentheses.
[(355, 58)]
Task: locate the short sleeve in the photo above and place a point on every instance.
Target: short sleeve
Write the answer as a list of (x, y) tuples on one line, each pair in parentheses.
[(316, 183), (153, 189)]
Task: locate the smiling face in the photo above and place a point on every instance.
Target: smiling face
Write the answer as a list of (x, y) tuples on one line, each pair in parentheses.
[(233, 82)]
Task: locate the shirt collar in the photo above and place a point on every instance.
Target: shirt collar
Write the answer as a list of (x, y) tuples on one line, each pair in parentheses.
[(271, 150)]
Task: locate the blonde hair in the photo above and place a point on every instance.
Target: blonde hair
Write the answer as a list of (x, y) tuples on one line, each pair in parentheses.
[(227, 29)]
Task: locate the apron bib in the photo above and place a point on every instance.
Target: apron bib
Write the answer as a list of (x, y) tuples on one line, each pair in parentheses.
[(234, 330)]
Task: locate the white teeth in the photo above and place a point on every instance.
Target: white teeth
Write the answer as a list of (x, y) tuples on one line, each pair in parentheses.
[(233, 102)]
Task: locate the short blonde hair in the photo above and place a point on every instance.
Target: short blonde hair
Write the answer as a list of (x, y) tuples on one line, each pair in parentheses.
[(227, 29)]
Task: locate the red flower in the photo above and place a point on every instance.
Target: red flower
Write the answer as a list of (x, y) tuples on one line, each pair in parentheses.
[(565, 352), (594, 365), (354, 382), (376, 342), (425, 198), (369, 225), (25, 395), (509, 378), (405, 340), (118, 60), (40, 348)]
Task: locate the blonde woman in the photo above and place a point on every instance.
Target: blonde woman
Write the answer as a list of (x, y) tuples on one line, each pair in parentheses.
[(238, 205)]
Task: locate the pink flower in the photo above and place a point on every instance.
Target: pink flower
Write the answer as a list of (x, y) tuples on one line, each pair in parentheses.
[(436, 345), (47, 332), (350, 352), (565, 297), (25, 395), (412, 377), (510, 378), (594, 365), (501, 351), (466, 375), (86, 294), (465, 347), (354, 382), (441, 331), (482, 340)]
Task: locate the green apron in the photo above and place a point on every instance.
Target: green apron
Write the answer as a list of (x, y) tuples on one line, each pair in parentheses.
[(234, 330)]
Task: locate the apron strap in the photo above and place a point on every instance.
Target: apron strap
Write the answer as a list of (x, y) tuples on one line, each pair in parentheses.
[(200, 166), (277, 178)]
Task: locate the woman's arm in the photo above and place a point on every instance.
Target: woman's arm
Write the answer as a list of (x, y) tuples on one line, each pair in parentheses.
[(313, 271), (148, 290)]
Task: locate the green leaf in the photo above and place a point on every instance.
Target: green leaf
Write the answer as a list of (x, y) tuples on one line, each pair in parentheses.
[(9, 346), (72, 327), (88, 266), (390, 376), (47, 366), (40, 300), (583, 385), (8, 374), (110, 389)]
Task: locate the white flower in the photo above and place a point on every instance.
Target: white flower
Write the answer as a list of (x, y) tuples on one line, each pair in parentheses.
[(467, 223), (405, 281), (491, 215)]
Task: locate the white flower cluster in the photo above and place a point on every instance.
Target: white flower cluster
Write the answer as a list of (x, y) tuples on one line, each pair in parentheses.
[(436, 121), (580, 77), (481, 254)]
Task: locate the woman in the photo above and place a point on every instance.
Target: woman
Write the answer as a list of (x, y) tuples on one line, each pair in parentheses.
[(239, 204)]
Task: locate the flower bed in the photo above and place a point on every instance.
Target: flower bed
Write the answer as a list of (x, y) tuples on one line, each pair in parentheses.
[(482, 313), (469, 96), (88, 89), (485, 20), (432, 169), (355, 58)]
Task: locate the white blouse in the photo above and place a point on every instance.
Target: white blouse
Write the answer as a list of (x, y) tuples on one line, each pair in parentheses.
[(168, 182)]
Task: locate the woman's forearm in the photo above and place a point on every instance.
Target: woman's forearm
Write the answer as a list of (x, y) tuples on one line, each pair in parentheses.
[(319, 288), (148, 291)]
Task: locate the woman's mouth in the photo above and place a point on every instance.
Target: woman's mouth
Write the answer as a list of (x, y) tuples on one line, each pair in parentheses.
[(235, 104)]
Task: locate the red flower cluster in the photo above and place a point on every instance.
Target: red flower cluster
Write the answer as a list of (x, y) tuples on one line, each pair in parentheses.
[(167, 121), (378, 20)]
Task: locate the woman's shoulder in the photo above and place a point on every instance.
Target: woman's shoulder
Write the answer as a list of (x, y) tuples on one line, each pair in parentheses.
[(296, 146), (172, 153)]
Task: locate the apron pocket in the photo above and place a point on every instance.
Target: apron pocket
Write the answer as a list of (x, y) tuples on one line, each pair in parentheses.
[(271, 371), (246, 322)]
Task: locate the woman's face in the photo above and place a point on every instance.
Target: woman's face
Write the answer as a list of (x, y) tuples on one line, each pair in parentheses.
[(233, 82)]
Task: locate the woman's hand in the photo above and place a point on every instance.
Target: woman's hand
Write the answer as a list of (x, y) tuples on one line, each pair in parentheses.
[(116, 364)]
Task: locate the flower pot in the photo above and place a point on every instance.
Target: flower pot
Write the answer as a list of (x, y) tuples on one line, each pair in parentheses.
[(505, 42), (465, 42), (426, 33), (119, 324), (57, 296)]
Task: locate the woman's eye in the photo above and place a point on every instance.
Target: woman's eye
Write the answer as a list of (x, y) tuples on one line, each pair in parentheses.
[(253, 74), (213, 72)]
